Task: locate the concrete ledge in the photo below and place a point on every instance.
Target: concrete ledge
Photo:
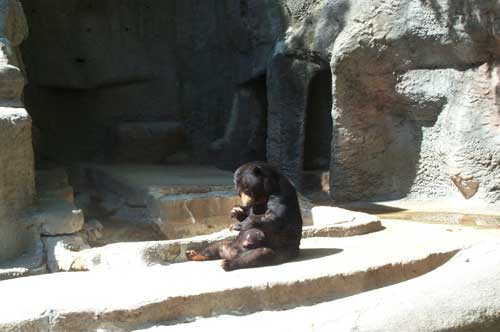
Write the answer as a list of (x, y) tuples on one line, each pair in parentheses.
[(462, 295), (140, 254), (336, 222), (328, 269)]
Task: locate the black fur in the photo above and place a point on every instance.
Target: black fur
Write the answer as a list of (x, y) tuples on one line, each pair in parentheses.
[(271, 225)]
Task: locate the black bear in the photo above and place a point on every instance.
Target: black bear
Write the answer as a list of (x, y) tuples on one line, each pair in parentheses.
[(270, 227)]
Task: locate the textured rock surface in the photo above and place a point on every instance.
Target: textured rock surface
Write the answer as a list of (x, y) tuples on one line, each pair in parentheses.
[(31, 262), (437, 301), (180, 216), (62, 252), (425, 107), (396, 98), (57, 217), (244, 138), (147, 142), (108, 301), (164, 61), (17, 184)]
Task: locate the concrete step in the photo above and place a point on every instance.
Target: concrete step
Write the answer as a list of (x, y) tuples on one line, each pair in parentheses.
[(158, 195), (461, 295), (68, 253), (181, 201), (134, 298)]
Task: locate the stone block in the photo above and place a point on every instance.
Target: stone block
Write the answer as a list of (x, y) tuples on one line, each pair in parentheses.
[(17, 185), (12, 82), (57, 218), (180, 216), (62, 252)]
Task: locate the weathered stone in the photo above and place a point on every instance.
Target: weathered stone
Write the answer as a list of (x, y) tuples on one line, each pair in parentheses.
[(57, 218), (12, 82), (467, 187), (165, 62), (51, 179), (17, 185), (93, 229), (62, 252), (337, 222), (245, 135), (53, 184), (13, 25), (288, 83), (413, 100), (126, 192), (31, 262), (148, 141), (180, 216)]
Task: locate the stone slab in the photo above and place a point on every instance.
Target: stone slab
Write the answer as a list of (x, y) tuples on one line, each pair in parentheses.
[(437, 301), (328, 268), (60, 251), (57, 217), (136, 183), (182, 216), (125, 255)]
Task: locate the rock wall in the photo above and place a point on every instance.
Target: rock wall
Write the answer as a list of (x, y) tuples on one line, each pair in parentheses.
[(17, 187), (412, 110), (95, 65), (414, 91), (423, 119)]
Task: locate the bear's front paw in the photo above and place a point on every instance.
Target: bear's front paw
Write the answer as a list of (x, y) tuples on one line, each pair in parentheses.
[(228, 265), (239, 213), (235, 227)]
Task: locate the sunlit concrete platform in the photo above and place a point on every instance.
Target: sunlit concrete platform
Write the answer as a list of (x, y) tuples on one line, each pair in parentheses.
[(446, 211), (461, 295), (142, 297)]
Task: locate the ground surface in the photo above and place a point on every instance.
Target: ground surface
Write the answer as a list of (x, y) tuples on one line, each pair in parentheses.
[(328, 268)]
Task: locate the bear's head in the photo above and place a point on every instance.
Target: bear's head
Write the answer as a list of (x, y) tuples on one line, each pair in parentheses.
[(255, 182)]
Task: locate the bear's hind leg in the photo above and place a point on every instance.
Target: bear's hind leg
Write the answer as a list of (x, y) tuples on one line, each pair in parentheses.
[(252, 258), (209, 253)]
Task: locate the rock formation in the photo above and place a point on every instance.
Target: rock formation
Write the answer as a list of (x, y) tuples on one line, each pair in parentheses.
[(17, 181)]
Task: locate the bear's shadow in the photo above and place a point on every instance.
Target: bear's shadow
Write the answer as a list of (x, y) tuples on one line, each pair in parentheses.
[(314, 253)]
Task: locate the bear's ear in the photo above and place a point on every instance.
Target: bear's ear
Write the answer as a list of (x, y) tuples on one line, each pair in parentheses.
[(257, 171)]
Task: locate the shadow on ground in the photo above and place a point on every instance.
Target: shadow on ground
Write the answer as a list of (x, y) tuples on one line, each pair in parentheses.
[(313, 253)]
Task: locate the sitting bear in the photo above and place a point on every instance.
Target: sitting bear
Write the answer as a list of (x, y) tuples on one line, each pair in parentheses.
[(270, 227)]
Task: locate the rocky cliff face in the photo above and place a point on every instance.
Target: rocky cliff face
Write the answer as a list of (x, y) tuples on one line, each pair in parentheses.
[(17, 182), (415, 97), (94, 65), (396, 98), (415, 101)]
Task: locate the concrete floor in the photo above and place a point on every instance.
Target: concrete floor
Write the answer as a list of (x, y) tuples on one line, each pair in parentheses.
[(328, 268)]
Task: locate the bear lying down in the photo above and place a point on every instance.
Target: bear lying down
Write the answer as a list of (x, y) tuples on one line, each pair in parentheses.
[(270, 225)]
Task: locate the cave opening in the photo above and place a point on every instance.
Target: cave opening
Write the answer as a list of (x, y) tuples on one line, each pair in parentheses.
[(318, 124)]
